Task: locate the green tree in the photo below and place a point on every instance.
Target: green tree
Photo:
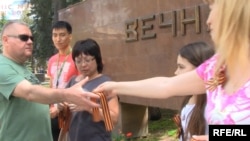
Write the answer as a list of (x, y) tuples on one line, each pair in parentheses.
[(27, 18), (2, 22), (44, 15), (41, 28)]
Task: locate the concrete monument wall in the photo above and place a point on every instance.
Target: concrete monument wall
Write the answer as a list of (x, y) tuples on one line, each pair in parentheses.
[(139, 39)]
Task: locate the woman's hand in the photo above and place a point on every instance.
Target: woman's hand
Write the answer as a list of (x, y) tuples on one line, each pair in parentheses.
[(77, 108), (199, 138), (53, 112), (107, 89)]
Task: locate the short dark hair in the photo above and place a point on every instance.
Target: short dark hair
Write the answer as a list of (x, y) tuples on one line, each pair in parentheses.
[(88, 47), (62, 24)]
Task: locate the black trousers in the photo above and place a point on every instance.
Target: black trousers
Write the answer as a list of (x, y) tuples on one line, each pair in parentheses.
[(55, 128)]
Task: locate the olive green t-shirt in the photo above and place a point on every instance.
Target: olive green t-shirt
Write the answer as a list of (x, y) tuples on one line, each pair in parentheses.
[(20, 120)]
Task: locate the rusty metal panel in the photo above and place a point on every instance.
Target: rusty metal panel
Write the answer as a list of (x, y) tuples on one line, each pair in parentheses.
[(139, 38)]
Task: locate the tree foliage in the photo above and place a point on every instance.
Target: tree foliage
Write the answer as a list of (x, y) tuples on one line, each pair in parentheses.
[(2, 22), (41, 28), (44, 14), (27, 18)]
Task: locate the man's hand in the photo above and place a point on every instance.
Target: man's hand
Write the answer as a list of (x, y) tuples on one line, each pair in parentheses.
[(78, 96)]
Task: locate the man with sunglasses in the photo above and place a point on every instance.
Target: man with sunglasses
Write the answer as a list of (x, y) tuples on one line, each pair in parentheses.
[(24, 110), (22, 37), (61, 67)]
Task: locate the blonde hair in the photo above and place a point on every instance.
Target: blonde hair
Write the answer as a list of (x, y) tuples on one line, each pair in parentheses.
[(232, 34)]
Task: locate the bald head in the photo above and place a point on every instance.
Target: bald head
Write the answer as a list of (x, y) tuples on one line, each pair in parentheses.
[(9, 28)]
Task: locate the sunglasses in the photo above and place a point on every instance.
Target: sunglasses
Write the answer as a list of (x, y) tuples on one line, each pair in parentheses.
[(22, 37)]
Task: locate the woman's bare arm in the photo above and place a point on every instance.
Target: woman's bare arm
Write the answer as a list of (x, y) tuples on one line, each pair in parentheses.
[(157, 87)]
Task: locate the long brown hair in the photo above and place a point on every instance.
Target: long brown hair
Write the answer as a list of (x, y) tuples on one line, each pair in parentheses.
[(196, 53)]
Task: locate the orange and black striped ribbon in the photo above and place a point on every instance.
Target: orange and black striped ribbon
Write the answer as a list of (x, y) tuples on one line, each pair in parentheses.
[(64, 118), (177, 121), (106, 113)]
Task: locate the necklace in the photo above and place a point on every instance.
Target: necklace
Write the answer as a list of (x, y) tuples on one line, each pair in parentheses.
[(59, 70)]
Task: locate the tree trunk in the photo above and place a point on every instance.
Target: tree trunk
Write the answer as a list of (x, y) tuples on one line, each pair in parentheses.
[(56, 5)]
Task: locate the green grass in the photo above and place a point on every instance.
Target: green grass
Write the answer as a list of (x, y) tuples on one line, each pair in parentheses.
[(165, 123), (162, 128), (159, 129)]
